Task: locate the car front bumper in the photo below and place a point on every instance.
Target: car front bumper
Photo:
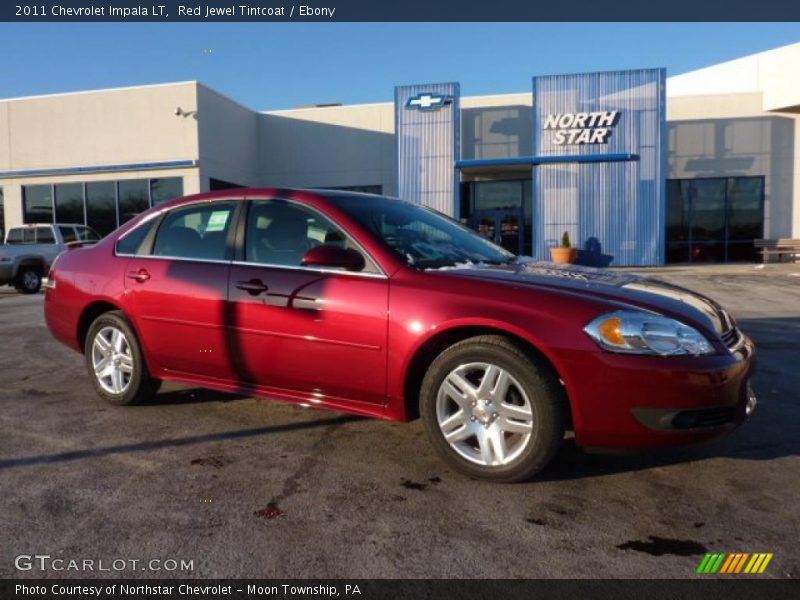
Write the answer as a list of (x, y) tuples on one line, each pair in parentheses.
[(625, 401)]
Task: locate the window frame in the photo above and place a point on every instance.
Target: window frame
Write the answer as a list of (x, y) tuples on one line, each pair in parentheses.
[(147, 244), (239, 256), (49, 228), (690, 243), (236, 238)]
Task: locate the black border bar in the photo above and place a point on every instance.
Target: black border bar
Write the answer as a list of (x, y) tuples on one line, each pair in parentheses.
[(393, 11), (699, 588)]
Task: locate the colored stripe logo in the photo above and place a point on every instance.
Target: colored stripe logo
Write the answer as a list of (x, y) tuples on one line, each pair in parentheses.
[(735, 562)]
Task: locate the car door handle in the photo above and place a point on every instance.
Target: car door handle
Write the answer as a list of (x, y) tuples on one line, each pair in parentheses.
[(141, 275), (254, 287)]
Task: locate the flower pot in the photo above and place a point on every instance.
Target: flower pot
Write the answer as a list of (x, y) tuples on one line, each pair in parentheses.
[(564, 256)]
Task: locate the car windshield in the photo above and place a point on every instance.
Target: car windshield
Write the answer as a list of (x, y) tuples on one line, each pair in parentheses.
[(425, 238)]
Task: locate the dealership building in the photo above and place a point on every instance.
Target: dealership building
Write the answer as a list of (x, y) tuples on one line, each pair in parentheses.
[(638, 168)]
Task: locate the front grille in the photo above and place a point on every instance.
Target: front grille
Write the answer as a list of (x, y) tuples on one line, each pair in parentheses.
[(705, 417)]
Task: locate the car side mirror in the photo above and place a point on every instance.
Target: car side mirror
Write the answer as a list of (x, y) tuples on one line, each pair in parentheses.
[(336, 257)]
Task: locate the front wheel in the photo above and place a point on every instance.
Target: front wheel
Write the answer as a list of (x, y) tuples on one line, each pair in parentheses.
[(491, 411), (115, 362)]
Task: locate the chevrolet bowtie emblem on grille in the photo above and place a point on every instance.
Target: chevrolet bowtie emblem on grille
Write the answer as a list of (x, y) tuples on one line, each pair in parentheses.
[(428, 101)]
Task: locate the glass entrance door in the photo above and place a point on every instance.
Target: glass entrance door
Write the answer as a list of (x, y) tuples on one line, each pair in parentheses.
[(501, 211), (502, 226)]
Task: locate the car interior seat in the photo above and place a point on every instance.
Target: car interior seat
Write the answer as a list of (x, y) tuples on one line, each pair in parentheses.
[(284, 241), (178, 241)]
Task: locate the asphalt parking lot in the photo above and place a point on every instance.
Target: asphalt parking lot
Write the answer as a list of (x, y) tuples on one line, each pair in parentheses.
[(247, 488)]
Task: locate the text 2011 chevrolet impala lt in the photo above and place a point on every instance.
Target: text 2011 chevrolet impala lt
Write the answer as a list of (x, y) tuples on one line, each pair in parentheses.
[(380, 307)]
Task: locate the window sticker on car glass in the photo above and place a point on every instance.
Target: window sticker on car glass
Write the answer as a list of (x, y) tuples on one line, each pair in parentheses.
[(217, 220)]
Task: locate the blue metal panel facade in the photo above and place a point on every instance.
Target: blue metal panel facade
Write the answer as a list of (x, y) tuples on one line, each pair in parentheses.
[(614, 211), (428, 131)]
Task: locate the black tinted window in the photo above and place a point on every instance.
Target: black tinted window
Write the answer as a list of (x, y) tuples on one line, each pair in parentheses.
[(131, 242), (67, 233), (14, 236), (44, 235), (198, 231)]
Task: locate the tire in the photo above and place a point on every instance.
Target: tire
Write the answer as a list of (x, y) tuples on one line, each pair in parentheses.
[(505, 431), (115, 362), (29, 279)]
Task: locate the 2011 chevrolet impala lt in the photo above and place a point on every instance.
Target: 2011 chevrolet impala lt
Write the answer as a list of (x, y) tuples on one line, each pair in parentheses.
[(383, 308)]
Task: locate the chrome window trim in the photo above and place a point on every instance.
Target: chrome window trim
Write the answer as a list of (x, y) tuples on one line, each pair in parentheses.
[(242, 263), (178, 258)]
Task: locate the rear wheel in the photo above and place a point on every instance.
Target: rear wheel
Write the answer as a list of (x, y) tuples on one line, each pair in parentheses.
[(29, 280), (115, 362), (491, 411)]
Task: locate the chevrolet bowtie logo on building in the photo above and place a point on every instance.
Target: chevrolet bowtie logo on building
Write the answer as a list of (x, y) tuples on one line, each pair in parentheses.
[(428, 101), (734, 563)]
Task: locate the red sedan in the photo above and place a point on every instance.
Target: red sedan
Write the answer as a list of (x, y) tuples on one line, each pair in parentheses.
[(383, 308)]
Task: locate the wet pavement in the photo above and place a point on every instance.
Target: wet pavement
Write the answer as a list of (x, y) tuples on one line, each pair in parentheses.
[(248, 488)]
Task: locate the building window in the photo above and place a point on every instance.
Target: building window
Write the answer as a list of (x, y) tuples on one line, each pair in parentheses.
[(714, 219), (69, 203), (37, 201), (165, 189), (215, 185), (101, 206), (364, 189), (134, 197)]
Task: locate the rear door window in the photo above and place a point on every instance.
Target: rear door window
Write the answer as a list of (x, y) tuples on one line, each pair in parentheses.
[(44, 235), (198, 231)]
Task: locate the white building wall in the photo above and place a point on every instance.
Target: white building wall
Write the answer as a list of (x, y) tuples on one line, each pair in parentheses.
[(228, 139), (731, 135), (329, 147), (119, 126)]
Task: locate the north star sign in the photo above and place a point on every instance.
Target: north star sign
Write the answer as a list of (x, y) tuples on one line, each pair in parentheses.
[(428, 101), (577, 129)]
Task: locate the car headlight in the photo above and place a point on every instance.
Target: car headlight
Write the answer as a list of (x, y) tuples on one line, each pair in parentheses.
[(639, 332)]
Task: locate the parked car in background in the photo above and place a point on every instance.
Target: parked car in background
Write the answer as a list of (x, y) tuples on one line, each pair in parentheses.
[(384, 308), (29, 250)]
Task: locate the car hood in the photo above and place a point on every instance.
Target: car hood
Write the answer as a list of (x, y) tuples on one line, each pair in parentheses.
[(623, 288)]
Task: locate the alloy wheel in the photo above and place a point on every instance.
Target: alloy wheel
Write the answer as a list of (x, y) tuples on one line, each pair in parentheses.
[(112, 360), (484, 414)]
